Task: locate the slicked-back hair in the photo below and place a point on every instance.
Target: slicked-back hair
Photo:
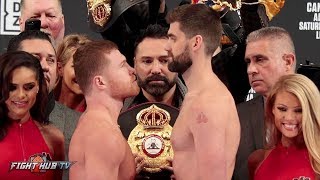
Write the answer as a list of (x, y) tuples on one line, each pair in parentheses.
[(198, 19), (154, 31), (89, 60), (15, 42), (8, 63)]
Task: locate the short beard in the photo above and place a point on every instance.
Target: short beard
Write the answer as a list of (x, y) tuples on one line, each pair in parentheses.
[(181, 62), (156, 90)]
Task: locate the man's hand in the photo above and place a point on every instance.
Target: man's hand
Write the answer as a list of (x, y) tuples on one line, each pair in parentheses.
[(169, 168), (139, 161)]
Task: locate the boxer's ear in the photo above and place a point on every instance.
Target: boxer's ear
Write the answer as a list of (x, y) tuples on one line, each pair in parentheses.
[(99, 82), (197, 42)]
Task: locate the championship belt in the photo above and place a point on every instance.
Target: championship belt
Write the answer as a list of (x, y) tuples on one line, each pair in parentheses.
[(103, 13), (149, 133), (100, 10), (273, 7), (218, 5)]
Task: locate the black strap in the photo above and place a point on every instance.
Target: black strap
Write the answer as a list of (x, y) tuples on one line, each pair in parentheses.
[(230, 33)]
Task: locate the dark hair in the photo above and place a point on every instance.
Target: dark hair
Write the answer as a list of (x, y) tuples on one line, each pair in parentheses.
[(15, 42), (89, 60), (8, 63), (198, 19), (154, 31)]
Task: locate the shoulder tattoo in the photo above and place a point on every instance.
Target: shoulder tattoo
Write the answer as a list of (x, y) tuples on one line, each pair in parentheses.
[(202, 118)]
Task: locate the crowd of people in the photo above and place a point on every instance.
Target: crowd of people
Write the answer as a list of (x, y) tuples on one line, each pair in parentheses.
[(61, 96)]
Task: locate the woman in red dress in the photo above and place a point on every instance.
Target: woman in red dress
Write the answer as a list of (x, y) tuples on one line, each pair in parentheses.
[(292, 132), (25, 133)]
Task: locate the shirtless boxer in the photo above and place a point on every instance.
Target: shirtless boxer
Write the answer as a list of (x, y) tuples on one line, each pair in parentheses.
[(206, 134), (97, 145)]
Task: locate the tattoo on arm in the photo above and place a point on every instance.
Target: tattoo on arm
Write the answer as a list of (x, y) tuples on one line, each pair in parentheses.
[(202, 118)]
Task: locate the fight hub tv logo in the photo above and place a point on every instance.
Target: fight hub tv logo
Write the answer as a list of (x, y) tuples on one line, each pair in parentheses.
[(9, 17), (40, 163)]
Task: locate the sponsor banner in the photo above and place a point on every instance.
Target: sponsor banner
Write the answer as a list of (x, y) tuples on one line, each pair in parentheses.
[(9, 20)]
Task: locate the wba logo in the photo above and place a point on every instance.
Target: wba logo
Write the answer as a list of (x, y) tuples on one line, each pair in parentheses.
[(9, 17)]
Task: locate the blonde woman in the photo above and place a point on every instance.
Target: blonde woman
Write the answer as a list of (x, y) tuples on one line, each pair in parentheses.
[(292, 132), (68, 91)]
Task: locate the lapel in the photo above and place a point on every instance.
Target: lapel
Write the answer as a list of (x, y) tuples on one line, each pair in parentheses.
[(257, 121), (57, 117)]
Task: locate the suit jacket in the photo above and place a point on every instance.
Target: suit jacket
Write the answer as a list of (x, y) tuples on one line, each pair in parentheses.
[(65, 119), (251, 115)]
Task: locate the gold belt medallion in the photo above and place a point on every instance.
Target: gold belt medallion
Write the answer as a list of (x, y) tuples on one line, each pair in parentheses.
[(100, 11), (151, 137)]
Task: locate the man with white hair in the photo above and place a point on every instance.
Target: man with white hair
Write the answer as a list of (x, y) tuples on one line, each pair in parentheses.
[(49, 12), (269, 55)]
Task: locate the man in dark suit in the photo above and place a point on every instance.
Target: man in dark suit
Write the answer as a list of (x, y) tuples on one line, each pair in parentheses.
[(157, 84), (269, 55)]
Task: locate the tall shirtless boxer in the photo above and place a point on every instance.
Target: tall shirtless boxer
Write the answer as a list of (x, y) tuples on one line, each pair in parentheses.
[(206, 134)]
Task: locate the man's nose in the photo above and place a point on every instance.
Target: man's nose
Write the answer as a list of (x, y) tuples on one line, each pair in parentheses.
[(132, 71), (156, 67), (167, 46), (251, 68), (44, 21), (44, 64)]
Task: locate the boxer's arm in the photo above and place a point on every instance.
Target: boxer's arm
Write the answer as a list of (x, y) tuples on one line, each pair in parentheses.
[(208, 130), (102, 158)]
